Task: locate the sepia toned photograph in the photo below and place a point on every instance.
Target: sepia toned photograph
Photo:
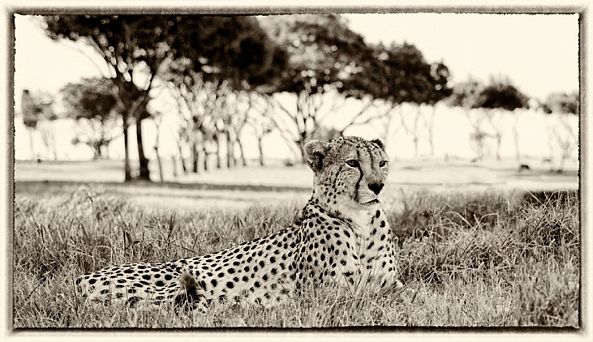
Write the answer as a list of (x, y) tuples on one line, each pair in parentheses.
[(310, 169)]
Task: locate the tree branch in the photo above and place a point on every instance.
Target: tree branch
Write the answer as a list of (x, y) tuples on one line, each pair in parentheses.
[(356, 116)]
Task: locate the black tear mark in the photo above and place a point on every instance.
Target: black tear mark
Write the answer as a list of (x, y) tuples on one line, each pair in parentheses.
[(359, 178)]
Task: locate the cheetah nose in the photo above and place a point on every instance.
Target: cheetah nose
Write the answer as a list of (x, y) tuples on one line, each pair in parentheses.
[(376, 187)]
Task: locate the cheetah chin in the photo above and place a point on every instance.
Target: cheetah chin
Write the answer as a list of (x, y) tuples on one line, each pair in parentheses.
[(341, 237)]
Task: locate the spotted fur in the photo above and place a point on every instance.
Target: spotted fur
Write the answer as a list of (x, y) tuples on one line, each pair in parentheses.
[(340, 237)]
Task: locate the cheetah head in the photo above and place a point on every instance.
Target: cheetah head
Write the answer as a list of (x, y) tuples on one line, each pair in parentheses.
[(349, 171)]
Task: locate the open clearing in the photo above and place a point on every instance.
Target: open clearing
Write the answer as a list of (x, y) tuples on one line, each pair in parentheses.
[(491, 256), (243, 187)]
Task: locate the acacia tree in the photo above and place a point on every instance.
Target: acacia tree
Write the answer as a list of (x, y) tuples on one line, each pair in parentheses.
[(440, 90), (408, 81), (228, 113), (465, 95), (158, 120), (235, 120), (224, 115), (31, 112), (92, 102), (211, 111), (196, 98), (181, 133), (135, 47), (429, 86), (212, 97), (38, 115), (259, 119), (501, 95), (560, 106), (325, 66)]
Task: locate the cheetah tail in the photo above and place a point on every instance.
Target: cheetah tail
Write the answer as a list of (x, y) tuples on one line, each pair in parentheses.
[(191, 294)]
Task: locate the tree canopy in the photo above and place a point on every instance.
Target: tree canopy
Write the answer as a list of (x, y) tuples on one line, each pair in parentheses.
[(466, 94), (91, 98), (560, 102), (405, 76), (501, 94), (36, 106), (321, 52)]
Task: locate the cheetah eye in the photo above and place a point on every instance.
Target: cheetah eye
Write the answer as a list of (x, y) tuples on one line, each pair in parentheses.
[(352, 163), (382, 163)]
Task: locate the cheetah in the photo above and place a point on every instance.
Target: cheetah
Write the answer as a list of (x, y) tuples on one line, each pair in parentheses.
[(341, 236)]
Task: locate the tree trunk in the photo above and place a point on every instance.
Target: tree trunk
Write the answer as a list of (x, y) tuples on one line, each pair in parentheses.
[(174, 163), (127, 169), (106, 151), (516, 138), (217, 142), (96, 150), (498, 142), (241, 153), (416, 133), (205, 159), (180, 149), (142, 160), (102, 141), (301, 144), (563, 158), (159, 163), (230, 155), (48, 138), (260, 148), (431, 130), (195, 157), (156, 150), (31, 132)]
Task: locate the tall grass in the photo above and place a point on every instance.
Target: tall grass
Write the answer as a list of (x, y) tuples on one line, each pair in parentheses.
[(465, 260)]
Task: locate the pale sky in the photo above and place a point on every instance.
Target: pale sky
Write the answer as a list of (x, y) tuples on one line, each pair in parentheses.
[(538, 52)]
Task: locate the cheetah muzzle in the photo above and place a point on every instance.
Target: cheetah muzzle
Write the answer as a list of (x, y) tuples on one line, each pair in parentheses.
[(341, 236)]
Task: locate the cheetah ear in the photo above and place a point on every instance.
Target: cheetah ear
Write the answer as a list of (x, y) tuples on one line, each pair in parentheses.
[(379, 143), (315, 151)]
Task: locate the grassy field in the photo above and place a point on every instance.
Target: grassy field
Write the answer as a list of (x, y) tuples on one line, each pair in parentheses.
[(485, 259)]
